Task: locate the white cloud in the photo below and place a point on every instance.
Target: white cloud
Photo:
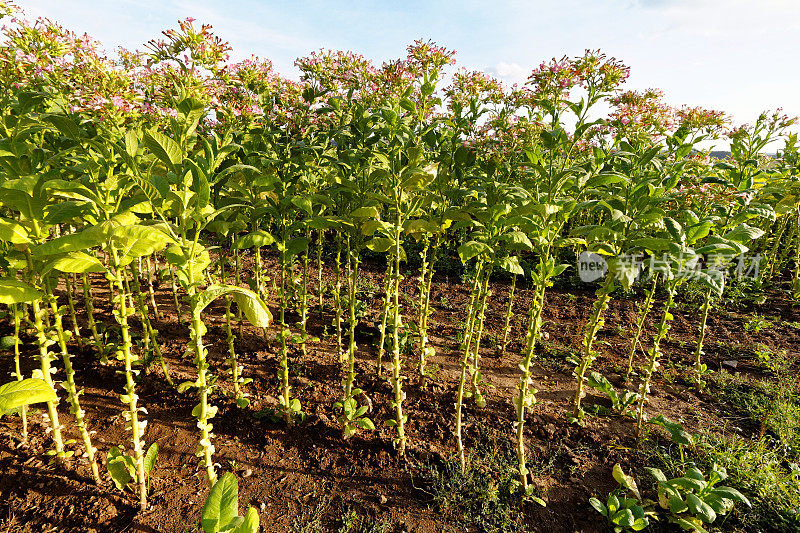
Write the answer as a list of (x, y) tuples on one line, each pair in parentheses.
[(509, 73)]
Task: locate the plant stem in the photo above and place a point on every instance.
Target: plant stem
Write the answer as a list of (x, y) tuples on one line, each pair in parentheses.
[(385, 313), (588, 356), (175, 298), (72, 392), (397, 378), (304, 298), (44, 361), (337, 299), (69, 286), (150, 288), (24, 411), (467, 342), (130, 387), (88, 303), (526, 398), (283, 371), (652, 363), (149, 333), (509, 309), (643, 312), (320, 236), (475, 366), (698, 352)]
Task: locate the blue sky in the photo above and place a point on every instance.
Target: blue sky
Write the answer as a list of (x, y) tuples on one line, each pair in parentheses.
[(739, 56)]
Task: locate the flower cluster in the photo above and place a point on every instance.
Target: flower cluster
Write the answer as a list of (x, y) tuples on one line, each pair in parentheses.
[(708, 121), (472, 88), (640, 115)]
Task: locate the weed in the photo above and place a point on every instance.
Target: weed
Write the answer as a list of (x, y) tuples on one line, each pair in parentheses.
[(486, 494), (756, 323)]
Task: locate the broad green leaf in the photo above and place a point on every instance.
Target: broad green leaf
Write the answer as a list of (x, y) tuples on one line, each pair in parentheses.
[(296, 245), (137, 241), (13, 232), (470, 249), (253, 308), (744, 234), (25, 392), (304, 204), (380, 244), (255, 239), (65, 125), (222, 505), (76, 262), (118, 466), (731, 494), (365, 212), (21, 200), (511, 264), (420, 226), (13, 291), (251, 305), (700, 508), (164, 148), (598, 506)]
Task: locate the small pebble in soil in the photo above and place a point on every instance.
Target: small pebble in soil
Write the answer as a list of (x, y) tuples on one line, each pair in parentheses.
[(247, 472)]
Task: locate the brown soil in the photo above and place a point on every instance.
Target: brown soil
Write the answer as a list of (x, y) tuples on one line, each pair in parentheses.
[(292, 474)]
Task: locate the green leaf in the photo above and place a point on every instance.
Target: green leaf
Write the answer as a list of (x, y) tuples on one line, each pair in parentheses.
[(199, 184), (12, 232), (365, 212), (150, 458), (65, 125), (675, 230), (119, 466), (700, 508), (744, 234), (222, 505), (625, 480), (598, 506), (380, 244), (251, 305), (13, 291), (76, 262), (731, 494), (304, 204), (137, 241), (244, 170), (25, 392), (296, 245), (164, 148), (470, 249), (511, 264), (250, 524), (253, 308), (255, 239)]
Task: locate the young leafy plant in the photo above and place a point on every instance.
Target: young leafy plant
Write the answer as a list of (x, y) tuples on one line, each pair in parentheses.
[(693, 500), (622, 401), (221, 510), (623, 508)]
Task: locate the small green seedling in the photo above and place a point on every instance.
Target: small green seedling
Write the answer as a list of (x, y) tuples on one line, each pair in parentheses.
[(122, 466), (623, 507), (622, 401)]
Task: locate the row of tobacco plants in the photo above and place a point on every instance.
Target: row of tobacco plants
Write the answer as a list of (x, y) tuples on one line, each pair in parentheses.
[(160, 160)]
